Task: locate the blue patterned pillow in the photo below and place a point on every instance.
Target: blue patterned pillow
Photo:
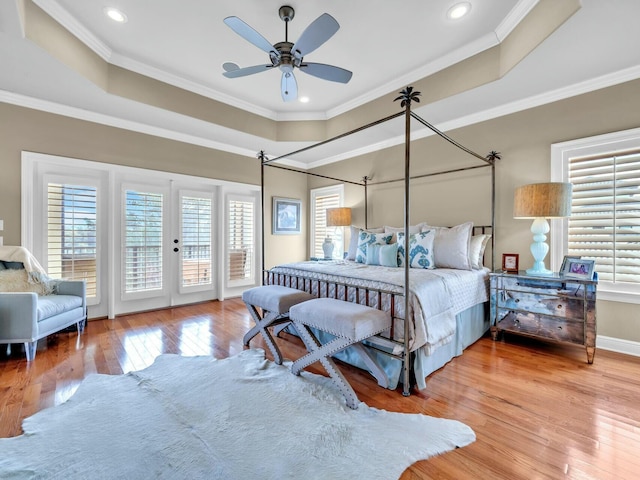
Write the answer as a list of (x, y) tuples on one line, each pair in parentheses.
[(367, 238), (420, 249)]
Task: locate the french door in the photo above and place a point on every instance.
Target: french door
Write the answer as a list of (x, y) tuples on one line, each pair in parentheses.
[(167, 244)]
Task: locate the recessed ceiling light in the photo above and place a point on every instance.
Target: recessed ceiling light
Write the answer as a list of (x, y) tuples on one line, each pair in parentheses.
[(115, 14), (304, 99), (458, 10)]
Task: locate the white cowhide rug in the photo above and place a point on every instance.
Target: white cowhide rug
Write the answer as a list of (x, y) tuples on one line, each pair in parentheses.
[(241, 418)]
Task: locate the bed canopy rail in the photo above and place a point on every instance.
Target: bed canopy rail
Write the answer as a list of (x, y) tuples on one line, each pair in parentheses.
[(407, 97)]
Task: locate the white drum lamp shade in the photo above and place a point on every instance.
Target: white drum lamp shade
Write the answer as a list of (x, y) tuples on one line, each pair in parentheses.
[(541, 201)]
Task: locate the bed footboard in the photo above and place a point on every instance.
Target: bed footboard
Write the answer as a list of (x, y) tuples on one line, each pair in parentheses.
[(391, 342)]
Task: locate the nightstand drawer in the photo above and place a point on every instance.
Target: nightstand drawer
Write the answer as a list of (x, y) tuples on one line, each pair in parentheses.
[(542, 286), (543, 327), (565, 307)]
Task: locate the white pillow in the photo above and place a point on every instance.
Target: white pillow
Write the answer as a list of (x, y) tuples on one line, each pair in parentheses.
[(413, 229), (451, 246), (353, 242), (420, 249), (476, 250), (366, 238)]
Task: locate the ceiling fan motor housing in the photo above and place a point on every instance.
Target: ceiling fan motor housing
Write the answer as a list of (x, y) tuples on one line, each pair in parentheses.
[(286, 13)]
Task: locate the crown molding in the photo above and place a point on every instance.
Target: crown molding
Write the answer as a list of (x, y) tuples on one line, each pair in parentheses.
[(68, 21), (186, 84), (484, 43), (515, 16)]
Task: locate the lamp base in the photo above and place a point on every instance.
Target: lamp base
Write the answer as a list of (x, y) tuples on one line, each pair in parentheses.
[(327, 248), (539, 248), (539, 271)]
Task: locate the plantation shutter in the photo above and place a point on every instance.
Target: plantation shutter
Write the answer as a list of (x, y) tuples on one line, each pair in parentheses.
[(241, 238), (196, 241), (605, 215), (72, 234), (143, 241), (320, 205)]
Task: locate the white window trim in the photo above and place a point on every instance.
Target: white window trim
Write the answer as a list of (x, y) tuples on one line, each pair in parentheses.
[(561, 153), (320, 192)]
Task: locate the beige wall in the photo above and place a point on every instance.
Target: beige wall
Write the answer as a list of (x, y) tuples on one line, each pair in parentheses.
[(523, 138)]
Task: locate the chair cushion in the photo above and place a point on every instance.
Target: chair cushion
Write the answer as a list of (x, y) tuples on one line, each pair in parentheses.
[(343, 319), (51, 305), (275, 298)]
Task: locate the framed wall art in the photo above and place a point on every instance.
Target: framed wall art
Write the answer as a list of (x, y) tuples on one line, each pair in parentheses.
[(287, 216)]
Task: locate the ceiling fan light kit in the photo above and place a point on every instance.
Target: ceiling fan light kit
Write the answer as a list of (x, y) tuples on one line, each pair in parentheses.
[(287, 56)]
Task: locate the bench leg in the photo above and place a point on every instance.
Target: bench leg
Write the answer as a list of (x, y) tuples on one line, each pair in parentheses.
[(261, 327), (322, 353), (375, 369), (279, 328)]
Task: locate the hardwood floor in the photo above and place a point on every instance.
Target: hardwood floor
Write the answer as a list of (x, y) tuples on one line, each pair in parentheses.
[(538, 410)]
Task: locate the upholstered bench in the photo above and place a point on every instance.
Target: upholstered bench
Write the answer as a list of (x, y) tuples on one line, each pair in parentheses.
[(275, 302), (350, 323)]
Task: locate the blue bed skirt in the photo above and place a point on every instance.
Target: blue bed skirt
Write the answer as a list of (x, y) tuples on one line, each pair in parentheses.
[(471, 325)]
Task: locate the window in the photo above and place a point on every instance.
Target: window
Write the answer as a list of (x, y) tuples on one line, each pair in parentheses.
[(321, 199), (241, 244), (72, 234), (605, 212), (143, 241)]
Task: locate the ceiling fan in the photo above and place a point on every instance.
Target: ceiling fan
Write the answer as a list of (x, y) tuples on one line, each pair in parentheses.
[(286, 55)]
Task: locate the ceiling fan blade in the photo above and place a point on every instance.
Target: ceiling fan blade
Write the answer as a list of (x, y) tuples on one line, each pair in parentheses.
[(289, 87), (243, 72), (249, 34), (318, 32), (327, 72), (230, 66)]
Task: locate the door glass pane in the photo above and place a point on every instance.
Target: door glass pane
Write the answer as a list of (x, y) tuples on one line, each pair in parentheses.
[(71, 234), (196, 241), (241, 239), (143, 241)]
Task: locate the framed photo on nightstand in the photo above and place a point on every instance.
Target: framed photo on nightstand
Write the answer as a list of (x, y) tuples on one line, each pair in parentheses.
[(510, 262), (579, 268)]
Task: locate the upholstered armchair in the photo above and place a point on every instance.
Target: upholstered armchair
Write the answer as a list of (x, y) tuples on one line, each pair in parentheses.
[(45, 307)]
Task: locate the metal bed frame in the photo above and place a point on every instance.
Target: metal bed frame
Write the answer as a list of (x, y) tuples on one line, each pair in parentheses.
[(407, 98)]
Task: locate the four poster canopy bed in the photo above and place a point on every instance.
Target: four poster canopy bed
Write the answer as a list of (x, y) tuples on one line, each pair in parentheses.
[(436, 295)]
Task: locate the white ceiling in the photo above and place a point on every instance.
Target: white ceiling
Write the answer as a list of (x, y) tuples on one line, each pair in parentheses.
[(386, 44)]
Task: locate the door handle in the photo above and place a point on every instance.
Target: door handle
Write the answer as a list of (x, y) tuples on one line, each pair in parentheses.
[(176, 249)]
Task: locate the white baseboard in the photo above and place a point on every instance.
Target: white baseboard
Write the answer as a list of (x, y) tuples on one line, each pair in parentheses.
[(618, 345)]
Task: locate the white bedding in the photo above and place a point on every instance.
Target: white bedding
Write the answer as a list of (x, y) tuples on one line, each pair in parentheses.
[(436, 296)]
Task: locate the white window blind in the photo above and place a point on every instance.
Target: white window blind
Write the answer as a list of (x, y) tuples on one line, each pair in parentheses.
[(321, 199), (143, 241), (196, 241), (605, 215), (241, 238), (72, 234)]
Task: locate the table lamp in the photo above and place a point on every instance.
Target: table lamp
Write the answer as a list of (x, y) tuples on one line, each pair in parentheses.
[(336, 217), (541, 201)]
